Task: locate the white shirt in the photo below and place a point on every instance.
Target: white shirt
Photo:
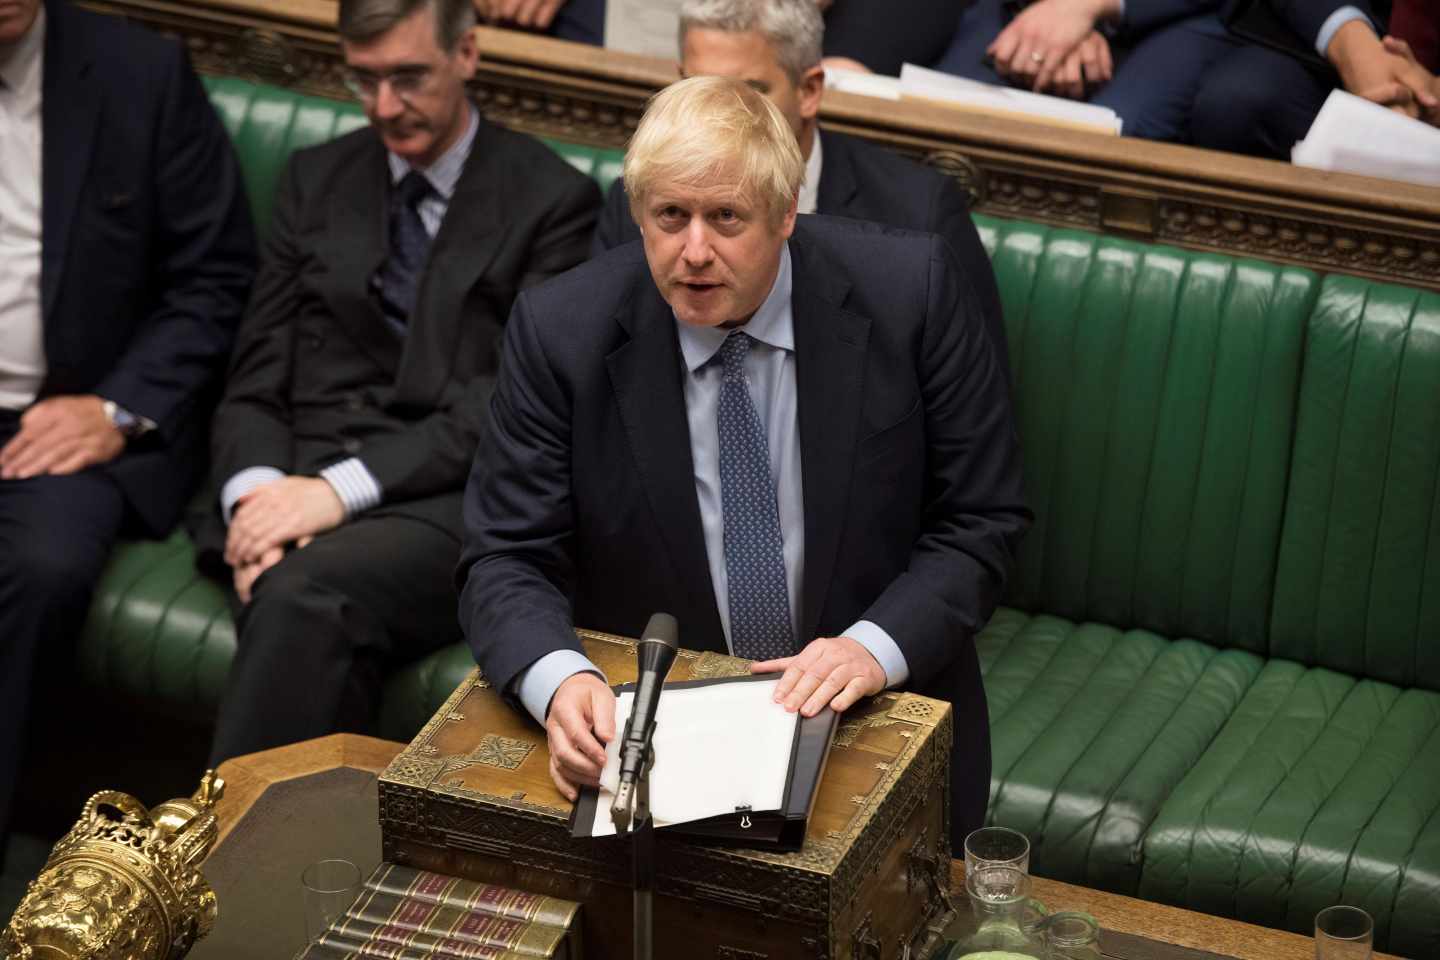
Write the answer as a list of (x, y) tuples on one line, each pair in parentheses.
[(22, 334), (810, 189)]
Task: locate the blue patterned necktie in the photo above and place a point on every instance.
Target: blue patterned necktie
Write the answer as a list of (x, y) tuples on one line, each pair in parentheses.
[(409, 247), (754, 548)]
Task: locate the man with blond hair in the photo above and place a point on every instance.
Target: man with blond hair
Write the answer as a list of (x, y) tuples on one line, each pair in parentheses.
[(775, 46), (793, 436)]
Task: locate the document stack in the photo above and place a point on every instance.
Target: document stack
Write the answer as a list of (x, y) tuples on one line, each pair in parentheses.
[(406, 914)]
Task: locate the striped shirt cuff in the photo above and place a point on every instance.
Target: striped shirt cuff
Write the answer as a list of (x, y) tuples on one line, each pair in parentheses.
[(537, 685), (884, 649), (354, 484), (242, 483)]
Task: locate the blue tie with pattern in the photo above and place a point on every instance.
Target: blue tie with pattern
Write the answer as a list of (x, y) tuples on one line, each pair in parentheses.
[(754, 548), (409, 247)]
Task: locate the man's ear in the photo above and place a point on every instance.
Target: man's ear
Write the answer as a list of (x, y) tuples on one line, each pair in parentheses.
[(810, 89), (467, 55), (787, 223)]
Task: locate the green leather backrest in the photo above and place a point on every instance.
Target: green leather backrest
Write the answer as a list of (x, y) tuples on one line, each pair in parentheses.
[(1155, 394), (1358, 581), (266, 123)]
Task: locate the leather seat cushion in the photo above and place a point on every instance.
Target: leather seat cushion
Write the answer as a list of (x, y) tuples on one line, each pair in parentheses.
[(1321, 789)]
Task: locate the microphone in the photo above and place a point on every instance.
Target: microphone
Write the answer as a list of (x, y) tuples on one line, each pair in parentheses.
[(655, 653)]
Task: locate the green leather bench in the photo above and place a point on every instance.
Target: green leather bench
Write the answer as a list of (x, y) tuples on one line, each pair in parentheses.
[(1214, 681)]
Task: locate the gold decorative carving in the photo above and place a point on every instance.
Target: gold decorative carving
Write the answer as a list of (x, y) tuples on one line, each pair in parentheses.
[(713, 665), (850, 730), (971, 178), (125, 882), (504, 752), (915, 709)]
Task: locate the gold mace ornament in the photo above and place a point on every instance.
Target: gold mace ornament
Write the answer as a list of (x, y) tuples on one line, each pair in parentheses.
[(123, 884)]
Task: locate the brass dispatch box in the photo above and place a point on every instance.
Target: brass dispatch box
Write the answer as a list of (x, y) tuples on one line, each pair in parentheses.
[(471, 796)]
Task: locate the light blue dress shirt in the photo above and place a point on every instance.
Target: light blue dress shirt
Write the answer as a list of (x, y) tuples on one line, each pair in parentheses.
[(1332, 25), (352, 481), (770, 377)]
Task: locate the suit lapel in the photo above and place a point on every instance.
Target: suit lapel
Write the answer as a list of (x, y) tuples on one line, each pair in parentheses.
[(838, 187), (353, 249), (475, 225), (830, 347), (69, 115), (645, 375)]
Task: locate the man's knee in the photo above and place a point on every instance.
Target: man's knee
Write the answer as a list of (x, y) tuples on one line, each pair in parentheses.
[(44, 565), (1230, 110)]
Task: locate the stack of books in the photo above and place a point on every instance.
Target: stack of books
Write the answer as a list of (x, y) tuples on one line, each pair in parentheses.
[(407, 914)]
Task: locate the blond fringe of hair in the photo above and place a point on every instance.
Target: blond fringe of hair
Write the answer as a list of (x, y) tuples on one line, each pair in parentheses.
[(704, 131)]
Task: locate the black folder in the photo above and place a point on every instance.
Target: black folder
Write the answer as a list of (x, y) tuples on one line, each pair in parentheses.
[(781, 829)]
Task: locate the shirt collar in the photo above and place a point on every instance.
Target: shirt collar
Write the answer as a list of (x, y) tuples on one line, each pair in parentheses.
[(21, 66), (810, 189), (773, 324), (445, 172)]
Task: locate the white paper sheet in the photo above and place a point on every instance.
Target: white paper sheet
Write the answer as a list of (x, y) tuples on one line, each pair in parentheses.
[(717, 747), (876, 85), (1352, 135), (650, 27), (934, 85)]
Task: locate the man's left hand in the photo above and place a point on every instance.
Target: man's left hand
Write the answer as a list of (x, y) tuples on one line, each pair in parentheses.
[(531, 14), (830, 670), (1038, 42), (280, 512), (61, 435)]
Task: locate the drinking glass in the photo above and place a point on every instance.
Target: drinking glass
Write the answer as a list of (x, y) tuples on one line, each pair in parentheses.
[(1343, 933), (997, 847), (330, 887)]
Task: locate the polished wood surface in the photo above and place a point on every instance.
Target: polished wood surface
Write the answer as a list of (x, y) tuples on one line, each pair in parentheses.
[(1011, 167), (247, 778)]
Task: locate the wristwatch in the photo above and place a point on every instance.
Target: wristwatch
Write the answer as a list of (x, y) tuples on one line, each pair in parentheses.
[(129, 425)]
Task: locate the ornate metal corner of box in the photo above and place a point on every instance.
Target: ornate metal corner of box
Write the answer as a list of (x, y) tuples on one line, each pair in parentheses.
[(710, 666), (124, 882)]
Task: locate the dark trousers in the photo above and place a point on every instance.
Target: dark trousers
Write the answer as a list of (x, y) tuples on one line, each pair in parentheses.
[(1156, 79), (55, 533), (327, 622), (1258, 101)]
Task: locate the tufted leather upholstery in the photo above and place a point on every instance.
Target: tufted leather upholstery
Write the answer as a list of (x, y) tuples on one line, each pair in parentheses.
[(1358, 583), (1213, 683)]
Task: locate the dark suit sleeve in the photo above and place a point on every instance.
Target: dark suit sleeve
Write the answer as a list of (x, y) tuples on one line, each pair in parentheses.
[(517, 570), (1143, 16), (616, 225), (252, 425), (975, 513), (952, 220), (434, 455), (204, 259)]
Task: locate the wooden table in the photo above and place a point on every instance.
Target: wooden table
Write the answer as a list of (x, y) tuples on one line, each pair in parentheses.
[(333, 779)]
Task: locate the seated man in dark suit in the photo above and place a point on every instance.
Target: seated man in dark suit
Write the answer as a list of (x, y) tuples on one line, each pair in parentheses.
[(363, 370), (775, 46), (126, 253), (1288, 55), (775, 430)]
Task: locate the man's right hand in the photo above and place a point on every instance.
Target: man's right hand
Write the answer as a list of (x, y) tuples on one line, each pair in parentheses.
[(580, 723), (1367, 69)]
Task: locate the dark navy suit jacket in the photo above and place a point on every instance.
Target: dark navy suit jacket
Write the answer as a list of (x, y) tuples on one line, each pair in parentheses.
[(148, 251), (581, 507), (864, 182)]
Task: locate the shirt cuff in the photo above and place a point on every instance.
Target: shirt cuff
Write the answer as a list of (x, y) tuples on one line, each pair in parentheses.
[(354, 484), (1332, 25), (537, 685), (886, 652), (242, 483)]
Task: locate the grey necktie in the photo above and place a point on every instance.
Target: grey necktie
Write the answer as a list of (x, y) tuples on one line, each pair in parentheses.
[(409, 248)]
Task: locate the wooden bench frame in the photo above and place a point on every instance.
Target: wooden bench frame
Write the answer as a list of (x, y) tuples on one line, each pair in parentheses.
[(1197, 199)]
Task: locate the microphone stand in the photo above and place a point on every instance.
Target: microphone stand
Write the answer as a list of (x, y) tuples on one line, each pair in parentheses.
[(643, 851)]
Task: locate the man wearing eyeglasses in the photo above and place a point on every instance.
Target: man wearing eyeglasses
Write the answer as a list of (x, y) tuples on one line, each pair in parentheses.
[(362, 374)]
